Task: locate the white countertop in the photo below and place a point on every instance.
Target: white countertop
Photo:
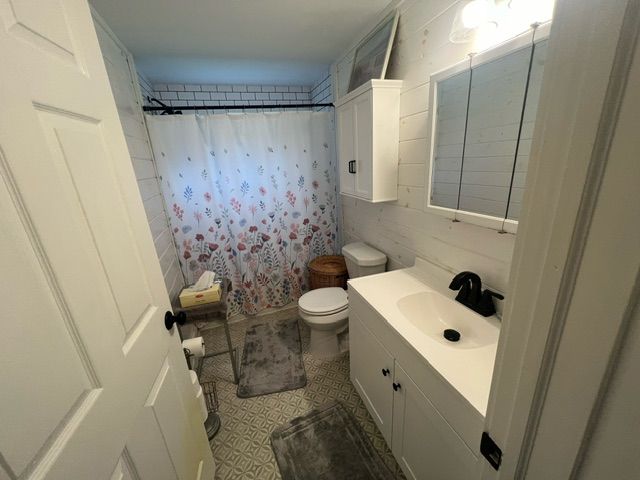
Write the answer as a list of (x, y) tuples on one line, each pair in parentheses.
[(468, 370)]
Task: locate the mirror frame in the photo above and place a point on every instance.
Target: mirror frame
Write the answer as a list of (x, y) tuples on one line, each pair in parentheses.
[(531, 36)]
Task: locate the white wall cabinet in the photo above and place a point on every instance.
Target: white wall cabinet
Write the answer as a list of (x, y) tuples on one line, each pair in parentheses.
[(431, 432), (368, 134)]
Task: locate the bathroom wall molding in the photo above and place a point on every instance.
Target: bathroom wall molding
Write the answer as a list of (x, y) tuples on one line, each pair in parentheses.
[(542, 407)]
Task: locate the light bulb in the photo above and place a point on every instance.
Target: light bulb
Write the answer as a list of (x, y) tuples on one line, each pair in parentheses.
[(475, 13), (532, 10)]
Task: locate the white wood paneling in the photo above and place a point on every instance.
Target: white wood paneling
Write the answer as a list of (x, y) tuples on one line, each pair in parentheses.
[(403, 229), (124, 81)]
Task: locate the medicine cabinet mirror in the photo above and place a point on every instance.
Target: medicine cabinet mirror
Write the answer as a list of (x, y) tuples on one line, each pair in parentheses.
[(482, 117)]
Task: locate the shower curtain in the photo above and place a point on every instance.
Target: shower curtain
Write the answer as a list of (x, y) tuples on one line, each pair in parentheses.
[(251, 197)]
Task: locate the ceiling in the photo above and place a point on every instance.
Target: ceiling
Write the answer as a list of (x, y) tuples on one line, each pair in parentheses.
[(237, 41)]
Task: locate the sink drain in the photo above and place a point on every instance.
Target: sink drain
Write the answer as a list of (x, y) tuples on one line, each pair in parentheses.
[(451, 335)]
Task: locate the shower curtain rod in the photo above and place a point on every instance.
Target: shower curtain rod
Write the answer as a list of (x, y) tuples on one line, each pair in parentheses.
[(177, 109)]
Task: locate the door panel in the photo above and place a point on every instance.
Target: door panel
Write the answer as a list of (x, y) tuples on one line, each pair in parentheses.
[(423, 442), (93, 180), (124, 470), (346, 147), (367, 360), (363, 112), (174, 425), (81, 283), (35, 414)]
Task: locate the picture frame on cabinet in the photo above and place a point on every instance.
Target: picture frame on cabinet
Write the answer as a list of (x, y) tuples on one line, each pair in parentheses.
[(372, 53)]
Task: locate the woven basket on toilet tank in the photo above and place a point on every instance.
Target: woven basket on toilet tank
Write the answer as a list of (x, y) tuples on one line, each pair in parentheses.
[(328, 271)]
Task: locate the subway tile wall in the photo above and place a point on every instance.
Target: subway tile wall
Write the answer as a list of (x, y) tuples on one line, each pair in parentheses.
[(321, 92), (222, 95), (146, 90)]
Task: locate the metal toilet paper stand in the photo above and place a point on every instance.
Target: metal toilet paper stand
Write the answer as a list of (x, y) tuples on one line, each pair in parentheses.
[(212, 423), (210, 392)]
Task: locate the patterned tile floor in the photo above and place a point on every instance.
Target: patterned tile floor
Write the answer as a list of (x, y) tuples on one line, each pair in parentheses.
[(241, 449)]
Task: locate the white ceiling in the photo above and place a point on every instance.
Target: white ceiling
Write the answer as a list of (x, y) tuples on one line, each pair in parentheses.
[(237, 41)]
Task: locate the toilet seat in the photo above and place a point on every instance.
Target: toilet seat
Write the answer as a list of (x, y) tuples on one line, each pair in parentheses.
[(324, 301), (326, 312)]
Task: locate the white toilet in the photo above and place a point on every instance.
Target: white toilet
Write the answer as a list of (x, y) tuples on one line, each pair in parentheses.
[(326, 310)]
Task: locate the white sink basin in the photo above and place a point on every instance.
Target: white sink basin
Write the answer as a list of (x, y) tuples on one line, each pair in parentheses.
[(432, 313)]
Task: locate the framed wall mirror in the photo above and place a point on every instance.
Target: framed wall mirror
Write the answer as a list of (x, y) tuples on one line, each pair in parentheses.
[(482, 117)]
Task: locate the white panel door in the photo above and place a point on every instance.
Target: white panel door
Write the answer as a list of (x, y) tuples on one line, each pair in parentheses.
[(424, 444), (93, 385), (371, 371), (346, 147)]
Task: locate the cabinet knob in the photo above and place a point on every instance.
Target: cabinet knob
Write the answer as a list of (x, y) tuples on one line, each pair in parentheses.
[(352, 166), (385, 371), (396, 386)]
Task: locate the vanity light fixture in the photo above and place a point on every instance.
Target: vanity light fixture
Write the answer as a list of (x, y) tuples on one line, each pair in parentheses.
[(529, 11), (471, 16)]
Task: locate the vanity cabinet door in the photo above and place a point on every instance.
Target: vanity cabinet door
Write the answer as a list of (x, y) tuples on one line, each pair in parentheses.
[(423, 443), (346, 147), (371, 374)]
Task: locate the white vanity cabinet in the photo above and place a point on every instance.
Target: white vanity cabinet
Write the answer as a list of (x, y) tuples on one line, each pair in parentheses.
[(372, 375), (368, 132), (431, 430), (423, 443)]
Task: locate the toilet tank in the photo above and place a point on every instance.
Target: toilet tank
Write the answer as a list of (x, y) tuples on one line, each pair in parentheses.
[(363, 260)]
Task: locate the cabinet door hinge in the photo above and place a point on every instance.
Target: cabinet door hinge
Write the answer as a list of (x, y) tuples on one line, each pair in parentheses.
[(490, 450)]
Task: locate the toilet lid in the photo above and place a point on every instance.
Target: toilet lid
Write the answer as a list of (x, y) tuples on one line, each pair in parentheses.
[(324, 301)]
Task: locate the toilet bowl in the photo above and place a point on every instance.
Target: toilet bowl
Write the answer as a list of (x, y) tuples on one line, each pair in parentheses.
[(326, 310)]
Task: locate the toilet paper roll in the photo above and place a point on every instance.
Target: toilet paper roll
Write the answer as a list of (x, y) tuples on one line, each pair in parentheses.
[(195, 346), (203, 404)]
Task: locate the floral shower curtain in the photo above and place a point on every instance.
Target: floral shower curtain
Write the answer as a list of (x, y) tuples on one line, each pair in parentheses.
[(251, 197)]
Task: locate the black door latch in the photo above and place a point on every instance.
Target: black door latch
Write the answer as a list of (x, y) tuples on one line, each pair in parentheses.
[(490, 450)]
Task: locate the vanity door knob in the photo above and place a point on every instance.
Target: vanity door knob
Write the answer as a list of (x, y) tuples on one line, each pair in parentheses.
[(385, 371), (396, 386)]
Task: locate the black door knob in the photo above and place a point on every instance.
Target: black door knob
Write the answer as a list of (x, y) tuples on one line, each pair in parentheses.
[(170, 319), (385, 371), (396, 386)]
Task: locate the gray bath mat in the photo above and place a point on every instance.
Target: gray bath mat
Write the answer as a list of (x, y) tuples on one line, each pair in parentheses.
[(272, 359), (327, 444)]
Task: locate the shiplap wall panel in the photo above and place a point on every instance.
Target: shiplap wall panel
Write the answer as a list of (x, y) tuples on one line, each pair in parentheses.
[(174, 281), (144, 168), (125, 94), (154, 207), (403, 229)]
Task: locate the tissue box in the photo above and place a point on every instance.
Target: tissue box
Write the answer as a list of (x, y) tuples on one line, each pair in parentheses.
[(190, 298)]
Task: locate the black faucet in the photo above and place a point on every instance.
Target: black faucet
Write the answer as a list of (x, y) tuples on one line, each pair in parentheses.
[(471, 295)]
